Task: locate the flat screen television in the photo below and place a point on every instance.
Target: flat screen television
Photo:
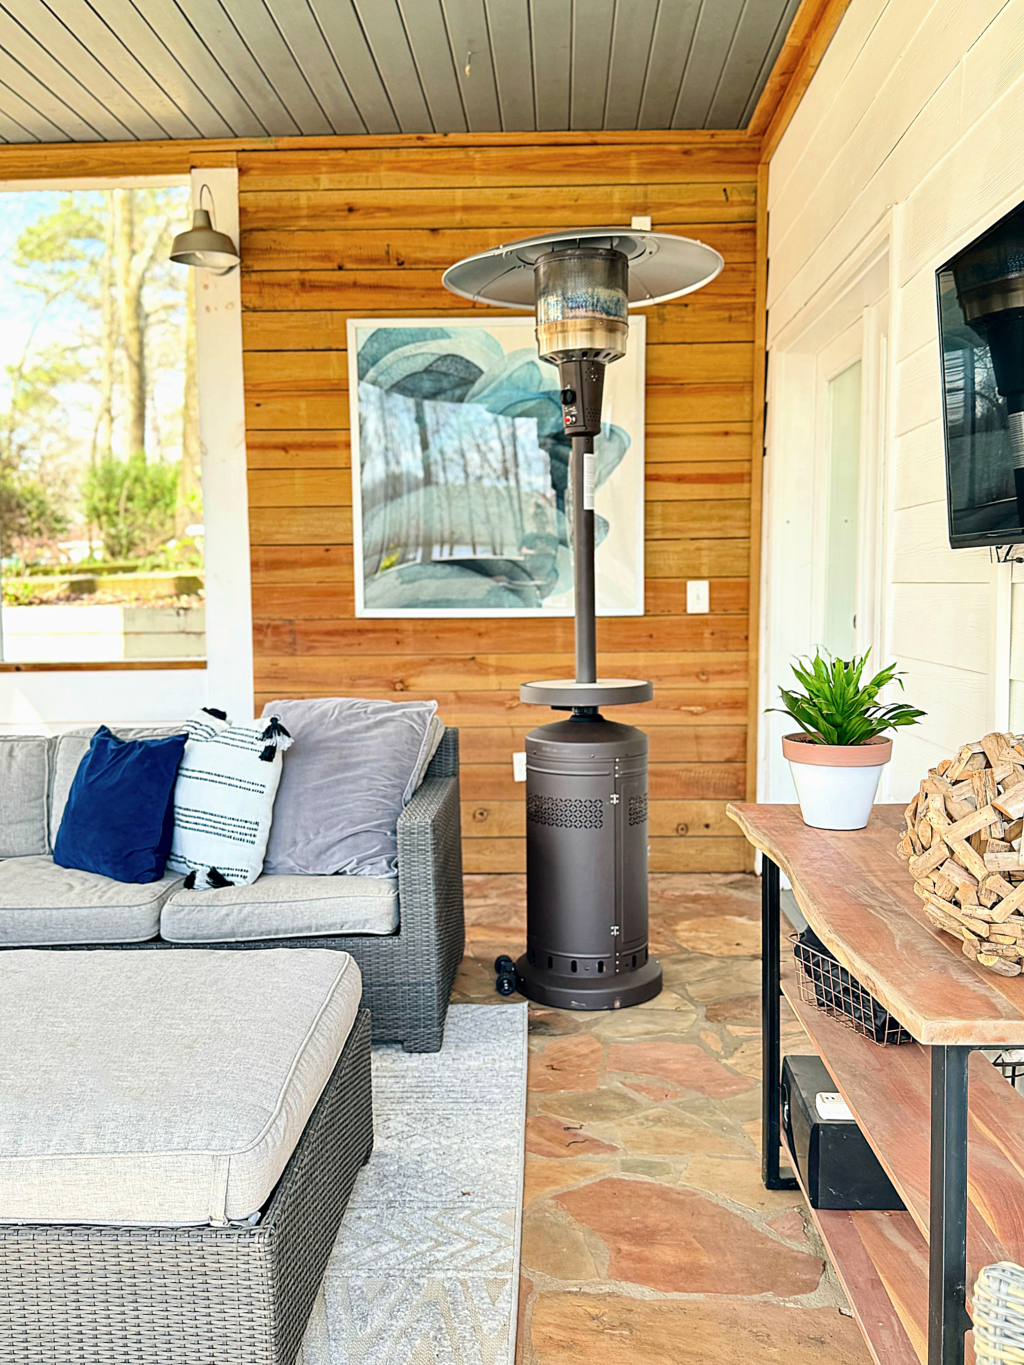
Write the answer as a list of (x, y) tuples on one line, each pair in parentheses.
[(981, 334)]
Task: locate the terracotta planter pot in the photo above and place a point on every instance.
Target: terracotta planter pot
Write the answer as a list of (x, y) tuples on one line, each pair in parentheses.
[(836, 783)]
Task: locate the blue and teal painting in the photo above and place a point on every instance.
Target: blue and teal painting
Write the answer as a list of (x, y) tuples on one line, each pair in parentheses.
[(461, 473)]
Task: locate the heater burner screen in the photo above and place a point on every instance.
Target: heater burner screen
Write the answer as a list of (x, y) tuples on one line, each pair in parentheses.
[(582, 285), (638, 809)]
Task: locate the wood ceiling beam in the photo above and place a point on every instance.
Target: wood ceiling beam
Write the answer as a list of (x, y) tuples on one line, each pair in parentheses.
[(799, 57), (85, 160)]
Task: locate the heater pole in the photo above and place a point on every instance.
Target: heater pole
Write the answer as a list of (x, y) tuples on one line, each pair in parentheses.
[(583, 559)]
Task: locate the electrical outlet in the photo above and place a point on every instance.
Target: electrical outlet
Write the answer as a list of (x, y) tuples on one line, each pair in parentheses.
[(518, 767), (698, 595), (641, 222)]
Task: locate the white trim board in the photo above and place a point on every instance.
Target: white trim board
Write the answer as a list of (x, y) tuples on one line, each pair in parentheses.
[(229, 648)]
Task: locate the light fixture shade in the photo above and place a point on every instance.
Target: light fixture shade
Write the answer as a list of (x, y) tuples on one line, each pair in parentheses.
[(661, 266), (202, 245)]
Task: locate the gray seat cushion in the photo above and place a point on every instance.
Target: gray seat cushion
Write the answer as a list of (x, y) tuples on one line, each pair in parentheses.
[(161, 1088), (24, 795), (282, 907), (41, 903)]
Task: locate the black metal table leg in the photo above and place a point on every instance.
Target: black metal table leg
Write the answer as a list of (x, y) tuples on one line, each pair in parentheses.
[(948, 1320), (771, 1044)]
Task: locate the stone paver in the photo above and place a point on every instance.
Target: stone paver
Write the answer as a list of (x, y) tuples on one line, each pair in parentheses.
[(647, 1235)]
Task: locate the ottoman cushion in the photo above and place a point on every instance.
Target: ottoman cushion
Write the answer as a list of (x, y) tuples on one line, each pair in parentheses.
[(282, 907), (43, 903), (161, 1087)]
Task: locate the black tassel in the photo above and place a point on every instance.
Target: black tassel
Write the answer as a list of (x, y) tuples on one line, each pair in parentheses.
[(215, 879), (278, 738), (217, 715), (190, 881)]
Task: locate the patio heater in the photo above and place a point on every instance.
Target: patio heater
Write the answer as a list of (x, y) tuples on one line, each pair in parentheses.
[(586, 777)]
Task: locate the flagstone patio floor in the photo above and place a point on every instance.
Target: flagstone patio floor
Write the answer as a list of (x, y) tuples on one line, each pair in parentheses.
[(648, 1238)]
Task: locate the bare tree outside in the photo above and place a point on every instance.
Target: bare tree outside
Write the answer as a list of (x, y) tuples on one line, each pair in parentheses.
[(100, 481)]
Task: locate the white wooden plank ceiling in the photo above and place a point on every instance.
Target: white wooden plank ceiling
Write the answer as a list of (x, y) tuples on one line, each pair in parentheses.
[(112, 70)]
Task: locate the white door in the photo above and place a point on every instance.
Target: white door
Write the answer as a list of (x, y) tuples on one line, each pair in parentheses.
[(823, 502)]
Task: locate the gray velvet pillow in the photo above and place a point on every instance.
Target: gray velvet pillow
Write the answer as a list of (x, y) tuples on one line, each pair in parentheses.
[(351, 769)]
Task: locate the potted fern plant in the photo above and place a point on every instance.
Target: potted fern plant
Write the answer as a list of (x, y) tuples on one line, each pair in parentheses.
[(837, 757)]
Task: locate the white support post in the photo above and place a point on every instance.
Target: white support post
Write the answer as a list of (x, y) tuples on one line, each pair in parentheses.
[(229, 653)]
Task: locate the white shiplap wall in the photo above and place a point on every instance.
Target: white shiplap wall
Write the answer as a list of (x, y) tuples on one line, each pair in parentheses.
[(913, 124)]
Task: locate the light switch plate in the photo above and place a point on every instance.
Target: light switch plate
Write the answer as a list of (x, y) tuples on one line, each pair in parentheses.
[(698, 595), (519, 767)]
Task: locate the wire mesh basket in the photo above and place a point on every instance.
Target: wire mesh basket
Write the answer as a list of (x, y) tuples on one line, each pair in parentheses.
[(1010, 1061), (830, 988)]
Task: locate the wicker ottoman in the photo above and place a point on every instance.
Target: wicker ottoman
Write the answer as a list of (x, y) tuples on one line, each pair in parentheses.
[(126, 1126)]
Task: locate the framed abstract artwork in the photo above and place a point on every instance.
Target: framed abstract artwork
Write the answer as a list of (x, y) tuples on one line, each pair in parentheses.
[(460, 473)]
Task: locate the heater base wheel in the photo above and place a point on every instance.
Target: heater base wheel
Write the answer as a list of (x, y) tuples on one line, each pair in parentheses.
[(589, 993)]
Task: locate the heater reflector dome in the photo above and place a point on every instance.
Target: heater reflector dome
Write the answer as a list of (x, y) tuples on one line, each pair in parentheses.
[(661, 266)]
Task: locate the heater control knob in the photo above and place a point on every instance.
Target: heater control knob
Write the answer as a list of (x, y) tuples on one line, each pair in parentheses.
[(567, 397)]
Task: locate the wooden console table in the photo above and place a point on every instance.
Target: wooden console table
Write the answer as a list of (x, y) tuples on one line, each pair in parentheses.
[(953, 1149)]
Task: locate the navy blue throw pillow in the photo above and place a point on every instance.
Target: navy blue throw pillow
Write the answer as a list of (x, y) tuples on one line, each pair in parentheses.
[(120, 812)]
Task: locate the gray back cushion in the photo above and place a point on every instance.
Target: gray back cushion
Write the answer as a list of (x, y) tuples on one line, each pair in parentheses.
[(346, 779), (24, 788), (72, 746), (70, 749)]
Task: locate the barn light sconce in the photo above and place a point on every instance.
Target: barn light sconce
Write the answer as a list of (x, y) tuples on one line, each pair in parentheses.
[(202, 246)]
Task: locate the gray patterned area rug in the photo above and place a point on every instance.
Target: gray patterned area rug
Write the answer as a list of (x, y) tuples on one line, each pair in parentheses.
[(426, 1267)]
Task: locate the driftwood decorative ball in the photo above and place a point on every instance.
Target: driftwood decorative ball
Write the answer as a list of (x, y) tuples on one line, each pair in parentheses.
[(963, 843)]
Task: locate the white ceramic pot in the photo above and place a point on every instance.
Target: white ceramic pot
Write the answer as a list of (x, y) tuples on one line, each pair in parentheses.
[(836, 783)]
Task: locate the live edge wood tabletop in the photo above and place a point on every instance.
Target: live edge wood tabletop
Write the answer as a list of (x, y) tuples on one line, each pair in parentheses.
[(953, 1149), (859, 899)]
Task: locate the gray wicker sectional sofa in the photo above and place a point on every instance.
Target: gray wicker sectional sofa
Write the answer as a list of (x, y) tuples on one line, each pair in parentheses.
[(406, 933), (181, 1138)]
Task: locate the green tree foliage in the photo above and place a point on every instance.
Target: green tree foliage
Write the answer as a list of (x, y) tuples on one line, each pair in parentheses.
[(28, 511), (132, 504), (98, 392)]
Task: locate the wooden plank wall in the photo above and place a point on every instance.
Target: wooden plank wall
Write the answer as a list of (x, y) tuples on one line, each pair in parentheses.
[(366, 231)]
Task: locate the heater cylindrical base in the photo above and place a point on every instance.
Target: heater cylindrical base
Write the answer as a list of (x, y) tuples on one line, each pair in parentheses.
[(586, 867), (589, 993)]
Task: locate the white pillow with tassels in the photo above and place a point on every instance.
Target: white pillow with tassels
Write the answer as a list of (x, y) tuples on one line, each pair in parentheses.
[(224, 799)]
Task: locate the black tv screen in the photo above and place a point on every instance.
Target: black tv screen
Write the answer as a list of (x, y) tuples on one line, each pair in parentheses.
[(981, 335)]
